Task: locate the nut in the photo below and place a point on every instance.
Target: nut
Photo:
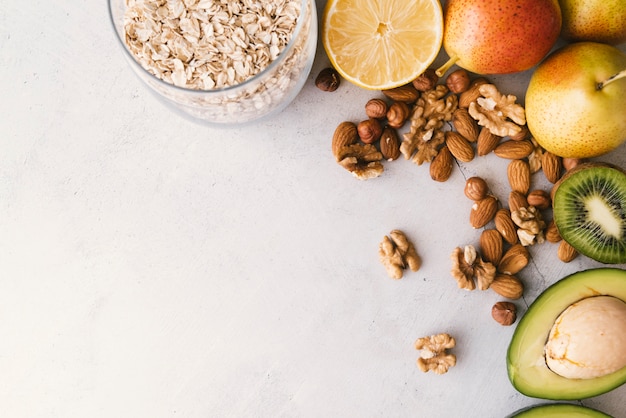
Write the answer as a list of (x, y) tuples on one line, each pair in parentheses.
[(483, 211), (397, 114), (472, 93), (369, 130), (376, 108), (465, 124), (397, 253), (406, 94), (486, 142), (390, 144), (458, 81), (514, 259), (505, 225), (328, 79), (569, 163), (476, 188), (433, 355), (508, 286), (551, 165), (345, 134), (514, 150), (566, 252), (491, 246), (442, 165), (459, 146), (516, 201), (427, 81), (518, 173), (505, 313), (539, 199), (522, 134), (552, 233)]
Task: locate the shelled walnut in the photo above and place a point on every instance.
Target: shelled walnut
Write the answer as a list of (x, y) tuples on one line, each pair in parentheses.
[(362, 160), (434, 355), (469, 269), (530, 224), (499, 113), (397, 253)]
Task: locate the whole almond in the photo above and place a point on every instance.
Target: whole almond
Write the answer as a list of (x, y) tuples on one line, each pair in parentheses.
[(522, 134), (518, 173), (491, 246), (517, 200), (514, 259), (345, 134), (442, 165), (539, 199), (472, 93), (508, 286), (552, 232), (566, 252), (465, 124), (514, 150), (459, 146), (390, 144), (483, 211), (476, 188), (551, 165), (406, 93), (506, 226), (486, 142)]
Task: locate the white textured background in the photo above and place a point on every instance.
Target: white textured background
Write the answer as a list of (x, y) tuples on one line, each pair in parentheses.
[(154, 267)]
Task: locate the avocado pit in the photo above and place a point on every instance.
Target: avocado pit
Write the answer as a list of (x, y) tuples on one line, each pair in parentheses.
[(588, 339)]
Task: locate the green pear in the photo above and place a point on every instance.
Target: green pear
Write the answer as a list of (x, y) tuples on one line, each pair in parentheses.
[(499, 36), (576, 100), (594, 20)]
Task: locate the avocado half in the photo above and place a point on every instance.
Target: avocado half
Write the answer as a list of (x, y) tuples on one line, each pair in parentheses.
[(559, 410), (526, 363)]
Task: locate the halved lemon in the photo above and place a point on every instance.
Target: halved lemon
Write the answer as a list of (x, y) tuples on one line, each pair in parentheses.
[(382, 44)]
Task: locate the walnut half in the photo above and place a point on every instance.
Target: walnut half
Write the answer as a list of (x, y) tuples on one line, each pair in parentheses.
[(468, 268), (396, 253), (433, 355), (362, 160)]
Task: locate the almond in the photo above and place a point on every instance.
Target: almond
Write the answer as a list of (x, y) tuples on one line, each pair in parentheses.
[(486, 142), (472, 93), (514, 150), (506, 226), (442, 165), (514, 259), (508, 286), (465, 124), (522, 134), (345, 134), (406, 93), (539, 199), (491, 246), (483, 211), (459, 146), (516, 201), (390, 144), (566, 252), (552, 166), (552, 233), (518, 172)]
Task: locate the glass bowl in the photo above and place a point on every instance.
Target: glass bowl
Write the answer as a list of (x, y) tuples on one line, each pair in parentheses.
[(257, 97)]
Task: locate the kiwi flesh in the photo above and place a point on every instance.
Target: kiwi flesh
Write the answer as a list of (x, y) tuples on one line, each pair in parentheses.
[(589, 209)]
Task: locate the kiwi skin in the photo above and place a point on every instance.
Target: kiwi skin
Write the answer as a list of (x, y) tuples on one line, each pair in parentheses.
[(614, 258)]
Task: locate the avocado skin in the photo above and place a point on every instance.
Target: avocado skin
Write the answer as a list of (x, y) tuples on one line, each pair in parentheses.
[(558, 410), (525, 359)]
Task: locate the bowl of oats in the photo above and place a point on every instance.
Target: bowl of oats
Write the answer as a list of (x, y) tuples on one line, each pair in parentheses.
[(221, 62)]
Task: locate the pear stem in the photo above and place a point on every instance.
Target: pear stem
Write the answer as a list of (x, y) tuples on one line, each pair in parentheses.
[(445, 67), (614, 77)]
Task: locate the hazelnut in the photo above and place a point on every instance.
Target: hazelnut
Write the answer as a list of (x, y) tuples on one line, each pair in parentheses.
[(505, 313), (328, 79), (376, 108), (458, 81), (539, 199), (369, 130), (397, 114), (476, 188), (427, 81), (569, 163)]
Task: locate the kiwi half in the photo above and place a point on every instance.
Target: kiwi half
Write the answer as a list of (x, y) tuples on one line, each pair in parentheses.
[(589, 208)]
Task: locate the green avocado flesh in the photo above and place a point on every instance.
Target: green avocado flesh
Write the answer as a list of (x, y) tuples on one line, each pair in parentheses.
[(559, 410), (526, 363)]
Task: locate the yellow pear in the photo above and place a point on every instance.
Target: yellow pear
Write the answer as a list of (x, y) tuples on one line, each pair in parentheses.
[(576, 100), (594, 20)]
